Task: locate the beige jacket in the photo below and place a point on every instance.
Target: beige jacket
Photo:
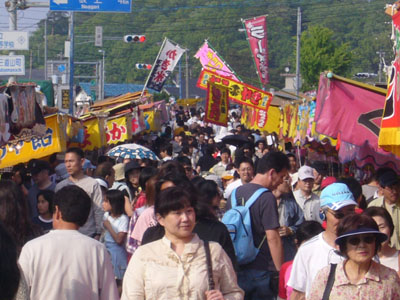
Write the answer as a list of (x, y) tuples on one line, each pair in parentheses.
[(155, 271)]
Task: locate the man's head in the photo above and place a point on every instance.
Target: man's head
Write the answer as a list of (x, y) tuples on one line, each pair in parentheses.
[(72, 205), (390, 187), (272, 168), (336, 202), (74, 160), (292, 162), (187, 165), (225, 155), (105, 170), (40, 171), (166, 150), (306, 179), (245, 168)]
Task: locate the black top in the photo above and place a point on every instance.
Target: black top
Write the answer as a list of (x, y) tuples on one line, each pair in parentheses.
[(206, 229), (264, 216)]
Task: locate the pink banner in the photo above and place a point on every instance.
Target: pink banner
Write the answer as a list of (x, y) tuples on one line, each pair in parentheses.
[(353, 113), (210, 60), (256, 30)]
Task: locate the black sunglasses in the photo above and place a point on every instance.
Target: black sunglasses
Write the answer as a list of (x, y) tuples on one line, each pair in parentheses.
[(369, 239)]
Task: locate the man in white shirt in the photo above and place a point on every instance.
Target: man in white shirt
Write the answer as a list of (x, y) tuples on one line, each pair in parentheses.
[(336, 202), (245, 168), (65, 264), (305, 198)]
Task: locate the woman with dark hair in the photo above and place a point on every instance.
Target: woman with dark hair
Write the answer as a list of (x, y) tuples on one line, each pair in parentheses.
[(45, 210), (12, 282), (358, 276), (14, 214), (388, 255), (176, 267)]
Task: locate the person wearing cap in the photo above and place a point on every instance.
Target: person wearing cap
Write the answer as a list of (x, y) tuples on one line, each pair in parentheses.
[(337, 201), (358, 276), (390, 187), (74, 160), (305, 198), (40, 171)]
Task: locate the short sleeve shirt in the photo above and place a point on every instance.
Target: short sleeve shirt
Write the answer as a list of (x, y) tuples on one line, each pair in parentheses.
[(264, 216)]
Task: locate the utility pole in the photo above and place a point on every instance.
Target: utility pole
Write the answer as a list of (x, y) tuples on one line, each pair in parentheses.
[(298, 51), (12, 10), (71, 63), (187, 74), (45, 48), (381, 56)]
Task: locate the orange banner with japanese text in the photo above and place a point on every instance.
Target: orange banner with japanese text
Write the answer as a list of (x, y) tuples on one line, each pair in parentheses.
[(258, 119), (53, 141), (239, 92), (217, 104)]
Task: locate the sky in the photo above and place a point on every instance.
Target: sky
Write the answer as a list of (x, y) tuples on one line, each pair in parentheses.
[(26, 19)]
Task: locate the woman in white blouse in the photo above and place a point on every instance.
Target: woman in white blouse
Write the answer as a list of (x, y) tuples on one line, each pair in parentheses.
[(175, 267)]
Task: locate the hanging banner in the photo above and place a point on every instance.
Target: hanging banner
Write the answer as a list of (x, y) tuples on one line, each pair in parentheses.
[(164, 65), (217, 104), (94, 134), (52, 142), (210, 60), (389, 136), (152, 120), (118, 130), (239, 92), (258, 119), (256, 30)]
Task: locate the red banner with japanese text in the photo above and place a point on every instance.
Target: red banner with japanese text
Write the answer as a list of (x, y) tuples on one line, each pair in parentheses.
[(164, 65), (239, 92), (256, 29), (217, 104)]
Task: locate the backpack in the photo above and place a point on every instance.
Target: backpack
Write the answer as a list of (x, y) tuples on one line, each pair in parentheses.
[(238, 222)]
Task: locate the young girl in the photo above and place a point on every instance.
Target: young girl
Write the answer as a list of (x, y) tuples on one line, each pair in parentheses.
[(116, 225), (45, 210)]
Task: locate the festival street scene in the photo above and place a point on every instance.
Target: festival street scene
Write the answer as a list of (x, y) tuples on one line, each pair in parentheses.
[(199, 150)]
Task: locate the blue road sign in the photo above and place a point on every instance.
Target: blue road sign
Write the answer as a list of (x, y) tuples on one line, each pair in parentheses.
[(92, 5)]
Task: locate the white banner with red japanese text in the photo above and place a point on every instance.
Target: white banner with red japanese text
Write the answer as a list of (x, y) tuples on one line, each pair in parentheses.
[(256, 29), (164, 65), (217, 104), (210, 60)]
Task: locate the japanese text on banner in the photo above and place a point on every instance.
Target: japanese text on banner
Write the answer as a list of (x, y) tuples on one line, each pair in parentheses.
[(239, 92), (217, 104)]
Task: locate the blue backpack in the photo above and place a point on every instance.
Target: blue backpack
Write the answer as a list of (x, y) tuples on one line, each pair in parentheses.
[(238, 222)]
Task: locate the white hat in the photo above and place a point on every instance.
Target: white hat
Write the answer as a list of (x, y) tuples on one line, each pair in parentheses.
[(306, 172)]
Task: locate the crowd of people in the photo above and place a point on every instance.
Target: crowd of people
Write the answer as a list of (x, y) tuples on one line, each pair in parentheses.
[(129, 228)]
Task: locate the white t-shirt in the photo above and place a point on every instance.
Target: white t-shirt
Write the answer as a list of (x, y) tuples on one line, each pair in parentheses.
[(119, 224), (311, 257), (65, 264), (233, 185)]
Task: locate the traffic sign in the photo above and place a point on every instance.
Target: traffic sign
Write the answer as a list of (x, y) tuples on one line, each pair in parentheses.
[(12, 65), (92, 5), (14, 40)]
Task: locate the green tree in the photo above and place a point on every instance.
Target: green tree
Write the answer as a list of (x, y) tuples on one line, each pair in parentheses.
[(319, 52)]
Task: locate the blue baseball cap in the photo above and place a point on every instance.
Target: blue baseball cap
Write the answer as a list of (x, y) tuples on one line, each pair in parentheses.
[(335, 196)]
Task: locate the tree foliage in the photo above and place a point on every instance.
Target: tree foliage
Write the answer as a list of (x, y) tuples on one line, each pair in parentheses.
[(319, 52)]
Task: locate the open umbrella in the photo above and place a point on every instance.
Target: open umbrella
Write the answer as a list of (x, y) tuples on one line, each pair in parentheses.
[(132, 151), (236, 140)]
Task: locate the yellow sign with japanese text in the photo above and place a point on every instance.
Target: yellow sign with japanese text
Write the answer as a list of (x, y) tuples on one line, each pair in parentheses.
[(152, 120), (94, 134), (261, 120), (53, 141), (118, 129), (217, 104), (239, 92)]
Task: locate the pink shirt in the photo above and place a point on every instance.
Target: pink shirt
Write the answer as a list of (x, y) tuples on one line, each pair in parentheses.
[(146, 219), (380, 282)]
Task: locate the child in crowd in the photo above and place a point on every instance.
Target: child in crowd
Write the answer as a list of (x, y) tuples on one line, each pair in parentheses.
[(45, 210), (116, 224)]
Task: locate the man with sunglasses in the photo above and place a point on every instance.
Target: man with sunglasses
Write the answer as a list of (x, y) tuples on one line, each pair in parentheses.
[(337, 201), (390, 188)]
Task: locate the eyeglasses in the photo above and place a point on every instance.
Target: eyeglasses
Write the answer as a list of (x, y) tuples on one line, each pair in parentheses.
[(369, 239)]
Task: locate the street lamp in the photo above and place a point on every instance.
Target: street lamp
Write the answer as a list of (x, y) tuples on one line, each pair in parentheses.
[(103, 73)]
